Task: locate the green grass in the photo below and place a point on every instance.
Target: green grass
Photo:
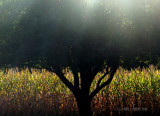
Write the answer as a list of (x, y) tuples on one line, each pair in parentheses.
[(42, 92)]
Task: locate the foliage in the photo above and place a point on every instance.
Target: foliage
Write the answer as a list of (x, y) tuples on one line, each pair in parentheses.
[(26, 36)]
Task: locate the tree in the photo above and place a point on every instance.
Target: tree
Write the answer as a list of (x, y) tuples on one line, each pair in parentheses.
[(87, 39)]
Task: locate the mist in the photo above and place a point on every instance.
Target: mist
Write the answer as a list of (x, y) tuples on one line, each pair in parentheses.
[(35, 27)]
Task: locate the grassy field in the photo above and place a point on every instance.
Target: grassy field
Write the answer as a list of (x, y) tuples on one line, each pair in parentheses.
[(42, 93)]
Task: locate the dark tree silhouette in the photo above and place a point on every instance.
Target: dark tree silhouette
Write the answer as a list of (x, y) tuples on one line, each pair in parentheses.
[(85, 39)]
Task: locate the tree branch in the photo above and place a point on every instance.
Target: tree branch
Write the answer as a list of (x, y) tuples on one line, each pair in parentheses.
[(98, 88), (76, 79), (59, 73), (99, 81)]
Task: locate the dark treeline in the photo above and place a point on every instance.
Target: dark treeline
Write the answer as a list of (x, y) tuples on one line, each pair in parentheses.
[(27, 29)]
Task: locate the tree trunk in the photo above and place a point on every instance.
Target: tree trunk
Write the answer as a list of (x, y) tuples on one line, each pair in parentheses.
[(84, 106), (82, 96)]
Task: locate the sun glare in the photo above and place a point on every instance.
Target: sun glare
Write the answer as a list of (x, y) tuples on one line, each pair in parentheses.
[(117, 3), (91, 2)]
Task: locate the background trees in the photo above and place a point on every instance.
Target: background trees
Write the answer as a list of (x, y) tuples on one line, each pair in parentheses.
[(84, 37)]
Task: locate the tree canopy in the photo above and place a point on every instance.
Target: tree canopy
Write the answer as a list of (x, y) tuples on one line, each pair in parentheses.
[(28, 29)]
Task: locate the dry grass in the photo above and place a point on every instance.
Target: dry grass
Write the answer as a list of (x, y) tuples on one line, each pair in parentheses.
[(42, 93)]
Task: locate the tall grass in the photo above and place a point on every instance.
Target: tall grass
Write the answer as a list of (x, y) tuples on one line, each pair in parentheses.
[(40, 92)]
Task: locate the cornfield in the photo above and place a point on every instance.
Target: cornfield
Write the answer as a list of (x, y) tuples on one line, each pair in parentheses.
[(39, 92)]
